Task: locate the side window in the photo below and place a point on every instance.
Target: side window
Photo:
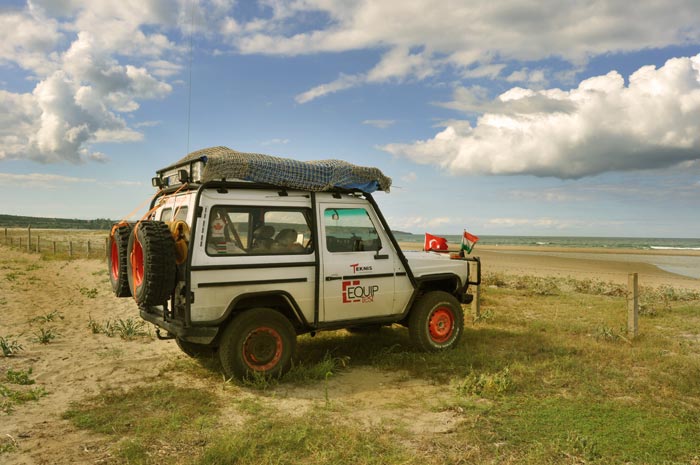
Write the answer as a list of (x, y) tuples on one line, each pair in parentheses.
[(227, 234), (181, 214), (350, 230), (166, 214), (292, 232), (258, 231)]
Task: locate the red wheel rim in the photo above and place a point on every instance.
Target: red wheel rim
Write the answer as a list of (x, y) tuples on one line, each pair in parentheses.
[(262, 349), (137, 264), (441, 325), (115, 260)]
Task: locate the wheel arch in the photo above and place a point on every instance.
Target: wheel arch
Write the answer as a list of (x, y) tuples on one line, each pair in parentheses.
[(447, 282), (280, 301)]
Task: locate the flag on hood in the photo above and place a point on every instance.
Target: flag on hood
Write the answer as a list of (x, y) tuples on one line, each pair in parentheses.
[(468, 241), (435, 243)]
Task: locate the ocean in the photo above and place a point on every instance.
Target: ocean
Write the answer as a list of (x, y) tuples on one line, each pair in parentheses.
[(639, 243), (688, 266)]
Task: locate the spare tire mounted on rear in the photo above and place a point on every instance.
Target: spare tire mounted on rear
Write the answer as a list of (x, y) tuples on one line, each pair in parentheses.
[(151, 264)]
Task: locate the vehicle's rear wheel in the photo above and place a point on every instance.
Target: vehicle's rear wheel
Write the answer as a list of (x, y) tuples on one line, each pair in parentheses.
[(257, 341), (436, 321), (193, 349), (151, 264), (117, 260)]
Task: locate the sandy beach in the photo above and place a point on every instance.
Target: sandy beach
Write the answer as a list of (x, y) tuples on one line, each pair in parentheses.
[(676, 268)]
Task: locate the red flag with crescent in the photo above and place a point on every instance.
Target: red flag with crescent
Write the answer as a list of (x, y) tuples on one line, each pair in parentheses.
[(435, 243)]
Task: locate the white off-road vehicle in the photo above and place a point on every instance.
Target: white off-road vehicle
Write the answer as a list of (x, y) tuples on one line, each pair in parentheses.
[(233, 259)]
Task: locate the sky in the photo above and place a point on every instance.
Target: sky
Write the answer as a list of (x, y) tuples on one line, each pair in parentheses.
[(577, 118)]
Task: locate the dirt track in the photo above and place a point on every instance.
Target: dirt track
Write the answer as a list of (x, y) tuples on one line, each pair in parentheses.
[(78, 364)]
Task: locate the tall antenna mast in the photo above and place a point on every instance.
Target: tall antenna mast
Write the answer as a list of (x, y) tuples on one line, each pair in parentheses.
[(189, 82)]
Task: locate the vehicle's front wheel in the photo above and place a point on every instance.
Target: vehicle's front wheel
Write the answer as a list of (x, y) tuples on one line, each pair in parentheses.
[(436, 321), (257, 341)]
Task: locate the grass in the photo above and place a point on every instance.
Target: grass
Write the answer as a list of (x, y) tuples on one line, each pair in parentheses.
[(547, 375), (318, 437), (21, 377), (125, 328), (149, 423), (49, 317), (10, 346), (45, 335), (11, 396)]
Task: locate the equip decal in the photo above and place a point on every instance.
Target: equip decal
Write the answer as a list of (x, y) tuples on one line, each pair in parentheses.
[(354, 292)]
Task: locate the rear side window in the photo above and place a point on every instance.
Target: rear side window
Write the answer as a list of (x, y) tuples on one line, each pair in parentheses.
[(180, 214), (258, 231)]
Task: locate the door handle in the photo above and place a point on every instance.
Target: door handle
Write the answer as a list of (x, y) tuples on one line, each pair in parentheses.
[(333, 278)]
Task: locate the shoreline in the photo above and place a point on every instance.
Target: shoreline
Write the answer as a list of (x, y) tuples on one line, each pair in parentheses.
[(612, 265)]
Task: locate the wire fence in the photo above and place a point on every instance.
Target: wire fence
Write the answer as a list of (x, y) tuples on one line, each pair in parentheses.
[(58, 243)]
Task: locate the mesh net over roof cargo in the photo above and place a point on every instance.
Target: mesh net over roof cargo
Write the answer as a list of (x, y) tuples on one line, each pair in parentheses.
[(321, 175)]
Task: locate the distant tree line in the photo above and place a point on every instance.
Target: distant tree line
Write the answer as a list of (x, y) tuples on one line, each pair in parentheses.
[(12, 221)]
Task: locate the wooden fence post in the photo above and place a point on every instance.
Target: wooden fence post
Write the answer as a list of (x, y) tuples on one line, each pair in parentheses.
[(476, 301), (70, 249), (106, 247), (38, 246), (88, 249), (20, 242), (29, 238), (54, 247), (632, 305)]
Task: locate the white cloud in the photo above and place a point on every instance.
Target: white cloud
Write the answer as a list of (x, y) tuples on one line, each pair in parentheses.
[(41, 180), (474, 37), (379, 123), (86, 64), (601, 125), (275, 142), (342, 83), (410, 177)]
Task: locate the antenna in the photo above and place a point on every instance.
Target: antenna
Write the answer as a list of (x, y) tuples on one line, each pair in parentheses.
[(189, 82)]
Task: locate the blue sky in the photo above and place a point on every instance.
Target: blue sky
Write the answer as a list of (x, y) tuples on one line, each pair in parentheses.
[(511, 117)]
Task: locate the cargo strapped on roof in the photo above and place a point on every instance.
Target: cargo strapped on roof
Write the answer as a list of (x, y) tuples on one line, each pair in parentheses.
[(217, 163)]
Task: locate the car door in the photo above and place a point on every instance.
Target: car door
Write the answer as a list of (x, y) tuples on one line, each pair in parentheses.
[(357, 269)]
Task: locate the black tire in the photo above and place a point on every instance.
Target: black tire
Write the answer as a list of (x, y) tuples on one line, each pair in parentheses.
[(151, 264), (258, 341), (117, 260), (436, 322), (195, 350)]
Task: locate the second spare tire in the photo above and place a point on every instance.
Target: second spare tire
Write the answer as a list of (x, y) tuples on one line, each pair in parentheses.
[(151, 263), (117, 259)]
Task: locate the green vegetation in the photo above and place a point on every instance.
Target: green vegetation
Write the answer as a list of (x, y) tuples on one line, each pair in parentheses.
[(12, 221), (49, 317), (19, 377), (145, 419), (128, 328), (9, 345), (317, 437), (45, 335), (547, 375), (9, 397), (89, 293)]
